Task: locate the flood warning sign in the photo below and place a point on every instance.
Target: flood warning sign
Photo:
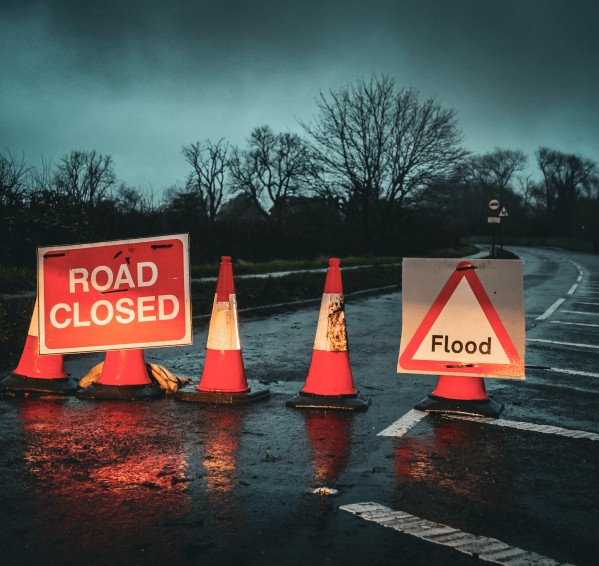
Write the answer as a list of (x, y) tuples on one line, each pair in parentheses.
[(462, 317)]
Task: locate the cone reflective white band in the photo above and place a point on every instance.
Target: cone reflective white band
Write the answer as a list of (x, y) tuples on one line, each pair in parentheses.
[(331, 334), (223, 333), (33, 326)]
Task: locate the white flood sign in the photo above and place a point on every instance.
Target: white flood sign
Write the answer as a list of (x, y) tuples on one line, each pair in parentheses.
[(462, 317)]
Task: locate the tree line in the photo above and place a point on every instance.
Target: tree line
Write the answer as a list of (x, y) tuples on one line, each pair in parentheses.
[(378, 171)]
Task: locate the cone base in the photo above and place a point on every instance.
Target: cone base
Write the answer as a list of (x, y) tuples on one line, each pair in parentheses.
[(222, 397), (485, 407), (15, 383), (336, 402), (146, 392)]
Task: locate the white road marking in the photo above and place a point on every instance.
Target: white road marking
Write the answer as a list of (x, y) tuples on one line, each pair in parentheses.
[(551, 309), (574, 323), (592, 304), (582, 312), (545, 429), (404, 424), (485, 548), (574, 372), (571, 291), (563, 343)]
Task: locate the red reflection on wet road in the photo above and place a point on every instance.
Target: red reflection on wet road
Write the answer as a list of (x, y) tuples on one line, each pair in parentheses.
[(220, 448), (442, 456), (328, 435), (97, 472)]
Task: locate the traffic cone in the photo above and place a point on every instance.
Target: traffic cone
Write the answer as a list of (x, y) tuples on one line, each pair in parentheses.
[(462, 394), (35, 373), (223, 379), (124, 377), (330, 384)]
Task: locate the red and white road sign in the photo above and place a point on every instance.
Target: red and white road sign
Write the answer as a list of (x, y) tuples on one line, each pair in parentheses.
[(114, 295), (462, 318)]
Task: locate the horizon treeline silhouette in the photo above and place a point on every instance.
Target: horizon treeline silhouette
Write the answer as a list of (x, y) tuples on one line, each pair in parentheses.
[(379, 171)]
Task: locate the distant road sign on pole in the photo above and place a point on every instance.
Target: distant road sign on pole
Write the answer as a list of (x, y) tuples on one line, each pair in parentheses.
[(462, 318), (114, 295), (493, 220), (503, 212), (494, 204)]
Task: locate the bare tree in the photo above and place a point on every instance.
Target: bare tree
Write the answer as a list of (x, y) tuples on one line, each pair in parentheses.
[(85, 178), (378, 149), (14, 175), (566, 177), (494, 171), (209, 162), (271, 170)]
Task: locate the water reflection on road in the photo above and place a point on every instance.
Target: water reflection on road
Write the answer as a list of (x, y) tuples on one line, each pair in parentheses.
[(96, 472)]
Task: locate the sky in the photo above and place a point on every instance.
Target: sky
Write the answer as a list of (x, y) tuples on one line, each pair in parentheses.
[(140, 79)]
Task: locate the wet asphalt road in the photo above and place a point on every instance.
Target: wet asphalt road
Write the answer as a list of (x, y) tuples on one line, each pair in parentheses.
[(168, 482)]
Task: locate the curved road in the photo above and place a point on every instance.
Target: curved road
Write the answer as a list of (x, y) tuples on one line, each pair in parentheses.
[(164, 481)]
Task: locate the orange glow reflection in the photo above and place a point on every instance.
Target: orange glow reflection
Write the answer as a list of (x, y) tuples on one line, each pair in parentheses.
[(329, 439), (220, 448), (103, 477), (452, 457)]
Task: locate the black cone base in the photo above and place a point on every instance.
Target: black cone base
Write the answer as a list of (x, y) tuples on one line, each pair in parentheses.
[(484, 408), (17, 384), (122, 392), (338, 402), (221, 397)]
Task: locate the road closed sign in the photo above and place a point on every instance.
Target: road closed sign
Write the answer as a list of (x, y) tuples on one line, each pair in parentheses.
[(462, 317), (114, 295)]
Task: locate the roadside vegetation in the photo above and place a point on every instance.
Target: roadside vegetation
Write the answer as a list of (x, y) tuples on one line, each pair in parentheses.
[(252, 292), (378, 174)]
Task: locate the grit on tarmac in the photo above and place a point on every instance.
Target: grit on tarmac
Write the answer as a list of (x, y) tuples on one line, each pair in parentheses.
[(107, 482)]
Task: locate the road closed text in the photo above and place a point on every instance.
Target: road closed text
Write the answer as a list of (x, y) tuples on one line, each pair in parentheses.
[(126, 310)]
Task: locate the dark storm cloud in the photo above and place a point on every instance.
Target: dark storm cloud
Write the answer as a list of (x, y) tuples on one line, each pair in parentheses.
[(139, 79)]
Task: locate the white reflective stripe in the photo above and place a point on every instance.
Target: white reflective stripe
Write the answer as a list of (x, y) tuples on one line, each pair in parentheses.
[(404, 424), (223, 333), (484, 548), (551, 309), (33, 326), (328, 325), (544, 429)]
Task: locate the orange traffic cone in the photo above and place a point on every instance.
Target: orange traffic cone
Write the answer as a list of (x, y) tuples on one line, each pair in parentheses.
[(124, 377), (330, 384), (460, 394), (223, 379), (36, 373)]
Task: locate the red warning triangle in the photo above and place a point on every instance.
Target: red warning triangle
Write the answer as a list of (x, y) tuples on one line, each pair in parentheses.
[(462, 333)]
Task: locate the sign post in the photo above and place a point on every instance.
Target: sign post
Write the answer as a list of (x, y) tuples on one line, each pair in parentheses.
[(465, 320), (115, 295), (494, 204)]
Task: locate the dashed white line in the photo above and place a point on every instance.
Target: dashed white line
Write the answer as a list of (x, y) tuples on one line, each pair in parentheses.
[(551, 309), (575, 345), (574, 372), (592, 304), (574, 323), (485, 548), (545, 429), (582, 312), (404, 424), (572, 289)]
